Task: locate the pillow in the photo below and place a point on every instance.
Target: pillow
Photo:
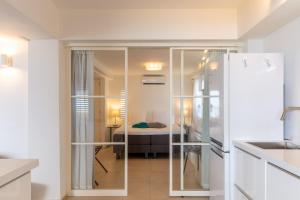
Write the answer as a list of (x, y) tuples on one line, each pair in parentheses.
[(140, 125), (156, 125)]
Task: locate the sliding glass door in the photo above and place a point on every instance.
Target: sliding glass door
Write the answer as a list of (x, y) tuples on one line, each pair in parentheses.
[(99, 109), (194, 104)]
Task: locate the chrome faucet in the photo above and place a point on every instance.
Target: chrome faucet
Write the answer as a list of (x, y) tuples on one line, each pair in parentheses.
[(286, 110)]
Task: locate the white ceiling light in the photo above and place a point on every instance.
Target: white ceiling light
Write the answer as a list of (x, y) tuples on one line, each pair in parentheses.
[(153, 66)]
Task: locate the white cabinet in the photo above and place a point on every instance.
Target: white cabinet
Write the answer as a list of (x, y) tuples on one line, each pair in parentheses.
[(249, 174), (257, 176), (282, 184), (15, 179), (19, 188), (253, 114)]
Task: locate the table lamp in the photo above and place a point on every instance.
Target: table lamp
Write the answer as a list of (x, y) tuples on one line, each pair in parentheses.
[(115, 113)]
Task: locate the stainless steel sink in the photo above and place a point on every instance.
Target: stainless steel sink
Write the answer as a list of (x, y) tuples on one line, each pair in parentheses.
[(275, 145)]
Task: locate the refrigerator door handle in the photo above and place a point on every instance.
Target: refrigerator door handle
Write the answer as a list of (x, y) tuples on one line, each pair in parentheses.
[(218, 154), (216, 142)]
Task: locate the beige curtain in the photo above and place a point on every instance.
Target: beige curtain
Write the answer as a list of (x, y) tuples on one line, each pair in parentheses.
[(82, 120)]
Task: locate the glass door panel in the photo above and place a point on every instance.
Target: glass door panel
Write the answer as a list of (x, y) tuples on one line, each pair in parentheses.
[(216, 118), (176, 72), (106, 116), (176, 127), (108, 170), (99, 122), (192, 122), (192, 70), (197, 84), (176, 167), (106, 75), (215, 72)]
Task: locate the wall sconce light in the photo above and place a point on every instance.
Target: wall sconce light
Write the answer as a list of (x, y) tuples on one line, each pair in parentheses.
[(6, 60)]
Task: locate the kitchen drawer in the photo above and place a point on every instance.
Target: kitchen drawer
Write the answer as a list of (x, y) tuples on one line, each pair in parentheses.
[(249, 174), (282, 184), (238, 195)]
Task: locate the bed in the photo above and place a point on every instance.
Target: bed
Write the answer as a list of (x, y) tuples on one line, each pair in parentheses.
[(145, 140)]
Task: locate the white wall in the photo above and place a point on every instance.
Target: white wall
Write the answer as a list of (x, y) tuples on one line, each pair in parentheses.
[(149, 24), (13, 100), (251, 12), (44, 117), (286, 40), (30, 112), (254, 46), (143, 99)]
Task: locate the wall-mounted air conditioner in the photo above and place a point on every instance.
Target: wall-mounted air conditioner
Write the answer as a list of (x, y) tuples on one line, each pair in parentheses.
[(154, 79)]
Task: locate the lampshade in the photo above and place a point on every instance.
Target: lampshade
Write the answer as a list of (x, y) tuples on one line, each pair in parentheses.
[(115, 111)]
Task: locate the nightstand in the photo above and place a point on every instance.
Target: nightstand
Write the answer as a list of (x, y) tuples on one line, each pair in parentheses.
[(111, 128)]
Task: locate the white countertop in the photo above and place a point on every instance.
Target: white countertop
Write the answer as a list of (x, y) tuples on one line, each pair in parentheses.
[(288, 159), (10, 169)]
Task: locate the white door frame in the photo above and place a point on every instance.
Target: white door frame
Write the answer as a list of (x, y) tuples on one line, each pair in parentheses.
[(103, 192), (185, 45)]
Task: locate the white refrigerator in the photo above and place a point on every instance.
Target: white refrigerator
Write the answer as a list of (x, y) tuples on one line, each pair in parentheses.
[(251, 100)]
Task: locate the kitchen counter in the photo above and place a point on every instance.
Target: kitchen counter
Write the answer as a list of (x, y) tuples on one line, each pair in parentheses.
[(15, 178), (287, 159)]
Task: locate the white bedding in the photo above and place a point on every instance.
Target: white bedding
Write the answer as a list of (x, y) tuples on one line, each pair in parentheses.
[(148, 131)]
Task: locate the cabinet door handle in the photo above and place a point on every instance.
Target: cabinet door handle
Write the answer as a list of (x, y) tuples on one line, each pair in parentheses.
[(218, 154), (284, 170), (251, 154)]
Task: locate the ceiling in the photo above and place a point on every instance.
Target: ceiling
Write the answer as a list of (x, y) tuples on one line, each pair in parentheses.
[(146, 4)]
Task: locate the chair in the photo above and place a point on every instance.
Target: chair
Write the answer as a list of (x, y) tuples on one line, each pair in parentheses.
[(190, 148), (97, 149)]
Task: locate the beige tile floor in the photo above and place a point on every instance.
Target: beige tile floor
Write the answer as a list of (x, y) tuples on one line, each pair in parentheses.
[(148, 179)]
